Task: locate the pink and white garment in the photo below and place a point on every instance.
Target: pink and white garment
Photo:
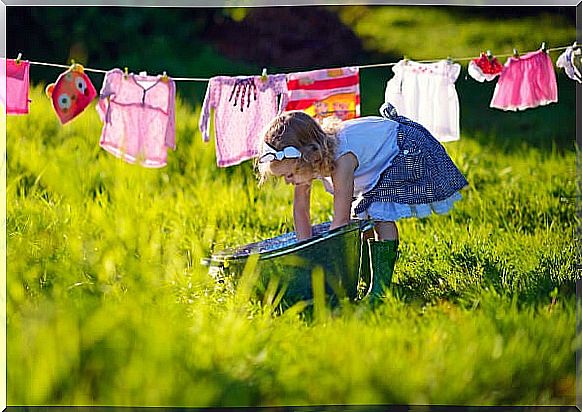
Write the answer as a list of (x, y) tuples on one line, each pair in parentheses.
[(243, 106), (138, 117), (426, 94), (14, 93), (526, 81)]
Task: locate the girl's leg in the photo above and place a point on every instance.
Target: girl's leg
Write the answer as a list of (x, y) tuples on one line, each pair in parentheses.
[(385, 230), (368, 234)]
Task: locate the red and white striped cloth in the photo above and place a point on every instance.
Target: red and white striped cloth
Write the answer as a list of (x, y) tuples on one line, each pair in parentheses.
[(325, 92)]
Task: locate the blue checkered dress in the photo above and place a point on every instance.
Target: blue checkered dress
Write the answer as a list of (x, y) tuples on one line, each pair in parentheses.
[(421, 173)]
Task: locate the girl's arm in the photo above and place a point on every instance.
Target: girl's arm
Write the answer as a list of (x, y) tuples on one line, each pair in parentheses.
[(301, 211), (343, 189)]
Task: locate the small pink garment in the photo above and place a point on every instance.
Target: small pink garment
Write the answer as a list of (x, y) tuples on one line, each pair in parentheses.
[(138, 117), (526, 81), (243, 106), (15, 95)]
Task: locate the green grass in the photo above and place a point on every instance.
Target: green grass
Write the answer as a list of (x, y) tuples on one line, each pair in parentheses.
[(108, 304)]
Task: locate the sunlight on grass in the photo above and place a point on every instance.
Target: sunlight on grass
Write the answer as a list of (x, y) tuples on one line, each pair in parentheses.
[(388, 29)]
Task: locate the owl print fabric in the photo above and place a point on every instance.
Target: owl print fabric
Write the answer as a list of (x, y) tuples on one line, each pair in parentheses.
[(71, 93)]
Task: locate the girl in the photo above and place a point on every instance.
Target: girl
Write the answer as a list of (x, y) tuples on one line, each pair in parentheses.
[(380, 168)]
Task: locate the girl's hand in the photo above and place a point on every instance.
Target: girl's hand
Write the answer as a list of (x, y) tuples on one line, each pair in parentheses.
[(343, 189)]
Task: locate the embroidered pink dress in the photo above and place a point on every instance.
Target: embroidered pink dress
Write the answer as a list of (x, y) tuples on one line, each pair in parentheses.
[(138, 117), (243, 106), (526, 81)]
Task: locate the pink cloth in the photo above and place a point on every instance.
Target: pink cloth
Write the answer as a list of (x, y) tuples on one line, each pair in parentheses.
[(243, 106), (15, 94), (138, 117), (526, 81)]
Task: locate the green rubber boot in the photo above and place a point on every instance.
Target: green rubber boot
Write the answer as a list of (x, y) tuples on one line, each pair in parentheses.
[(383, 255)]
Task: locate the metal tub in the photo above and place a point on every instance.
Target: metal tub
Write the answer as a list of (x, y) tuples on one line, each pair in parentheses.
[(290, 262)]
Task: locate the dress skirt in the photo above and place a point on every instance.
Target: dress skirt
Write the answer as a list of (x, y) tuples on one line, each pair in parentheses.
[(421, 180)]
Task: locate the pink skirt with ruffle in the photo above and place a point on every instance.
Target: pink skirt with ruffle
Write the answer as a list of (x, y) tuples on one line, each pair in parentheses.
[(526, 81)]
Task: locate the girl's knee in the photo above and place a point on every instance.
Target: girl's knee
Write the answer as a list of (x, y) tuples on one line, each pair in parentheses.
[(385, 230)]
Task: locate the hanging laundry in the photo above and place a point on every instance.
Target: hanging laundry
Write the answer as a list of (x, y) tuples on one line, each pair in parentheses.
[(138, 115), (325, 92), (243, 106), (425, 93), (14, 93), (571, 61), (71, 93), (526, 81), (485, 68)]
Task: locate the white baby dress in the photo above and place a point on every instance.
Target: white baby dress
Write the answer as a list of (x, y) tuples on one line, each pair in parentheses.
[(425, 93)]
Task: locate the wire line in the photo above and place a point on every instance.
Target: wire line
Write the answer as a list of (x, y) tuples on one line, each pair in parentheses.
[(365, 66)]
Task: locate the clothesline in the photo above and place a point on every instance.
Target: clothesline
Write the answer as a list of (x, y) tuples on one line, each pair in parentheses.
[(366, 66), (319, 93)]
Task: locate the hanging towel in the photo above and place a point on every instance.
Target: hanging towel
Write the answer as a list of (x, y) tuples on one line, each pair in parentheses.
[(325, 92), (243, 106), (570, 60), (426, 94), (484, 68), (71, 93), (526, 81), (14, 93), (138, 115)]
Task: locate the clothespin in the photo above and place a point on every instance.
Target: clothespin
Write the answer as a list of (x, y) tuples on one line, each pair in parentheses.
[(17, 61), (449, 60), (125, 73), (405, 58), (76, 67), (264, 75), (515, 53), (576, 49), (489, 54), (543, 46), (165, 77)]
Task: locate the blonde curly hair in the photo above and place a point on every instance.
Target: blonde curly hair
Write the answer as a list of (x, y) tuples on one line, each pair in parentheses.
[(316, 143)]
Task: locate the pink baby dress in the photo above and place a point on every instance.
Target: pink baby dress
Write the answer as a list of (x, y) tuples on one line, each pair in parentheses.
[(138, 117), (243, 106)]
